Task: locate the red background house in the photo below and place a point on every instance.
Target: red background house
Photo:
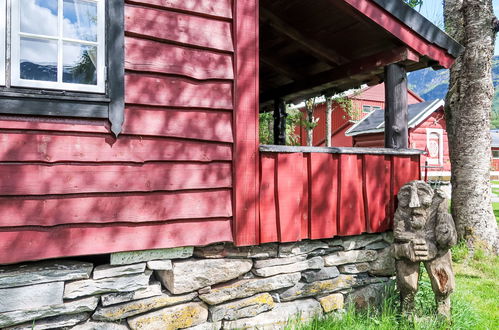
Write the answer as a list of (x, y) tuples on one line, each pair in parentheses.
[(186, 169), (427, 131), (363, 102)]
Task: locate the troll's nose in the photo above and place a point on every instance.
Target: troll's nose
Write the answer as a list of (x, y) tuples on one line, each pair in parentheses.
[(414, 202)]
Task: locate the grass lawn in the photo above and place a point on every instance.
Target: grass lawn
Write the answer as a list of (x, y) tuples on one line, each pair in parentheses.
[(475, 302)]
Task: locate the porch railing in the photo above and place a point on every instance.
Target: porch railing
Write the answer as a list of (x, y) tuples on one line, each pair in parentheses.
[(315, 193)]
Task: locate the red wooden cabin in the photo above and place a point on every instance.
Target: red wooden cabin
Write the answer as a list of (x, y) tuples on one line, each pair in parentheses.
[(363, 101), (427, 131), (162, 149), (495, 149)]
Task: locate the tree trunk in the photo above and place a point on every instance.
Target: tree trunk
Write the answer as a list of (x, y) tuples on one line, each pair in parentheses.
[(329, 112), (310, 104), (467, 107)]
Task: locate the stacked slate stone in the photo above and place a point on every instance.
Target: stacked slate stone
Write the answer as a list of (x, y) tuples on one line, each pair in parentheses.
[(213, 287)]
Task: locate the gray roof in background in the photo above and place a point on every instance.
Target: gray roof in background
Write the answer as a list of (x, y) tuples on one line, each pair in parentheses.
[(495, 138), (377, 118)]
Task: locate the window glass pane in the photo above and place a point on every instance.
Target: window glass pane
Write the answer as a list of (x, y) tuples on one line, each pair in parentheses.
[(39, 17), (38, 59), (80, 62), (366, 108), (80, 20)]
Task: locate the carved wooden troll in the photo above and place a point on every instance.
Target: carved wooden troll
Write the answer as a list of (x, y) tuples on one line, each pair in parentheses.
[(423, 232)]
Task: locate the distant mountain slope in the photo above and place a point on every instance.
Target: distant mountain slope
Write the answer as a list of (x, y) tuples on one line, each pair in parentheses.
[(431, 84)]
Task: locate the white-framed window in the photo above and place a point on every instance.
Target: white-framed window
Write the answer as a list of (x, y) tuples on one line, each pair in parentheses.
[(3, 24), (366, 108), (376, 107), (55, 44), (495, 154), (435, 146)]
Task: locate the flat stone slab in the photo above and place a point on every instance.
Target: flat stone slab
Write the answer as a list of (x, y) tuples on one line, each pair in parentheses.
[(249, 287), (324, 273), (370, 295), (359, 241), (313, 263), (160, 265), (278, 317), (230, 251), (104, 271), (349, 257), (247, 307), (110, 284), (56, 322), (332, 302), (43, 272), (176, 317), (207, 326), (154, 289), (72, 307), (133, 257), (278, 261), (91, 325), (122, 311), (190, 275), (30, 297), (354, 268), (302, 290), (302, 247), (384, 265)]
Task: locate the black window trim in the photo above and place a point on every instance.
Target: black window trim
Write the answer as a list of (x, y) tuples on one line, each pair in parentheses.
[(39, 102)]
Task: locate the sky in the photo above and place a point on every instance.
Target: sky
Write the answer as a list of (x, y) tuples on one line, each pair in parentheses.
[(433, 10)]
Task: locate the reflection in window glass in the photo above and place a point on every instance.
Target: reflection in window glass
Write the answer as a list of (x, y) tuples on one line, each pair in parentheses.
[(39, 17), (79, 64), (495, 153), (38, 59), (80, 20), (366, 108)]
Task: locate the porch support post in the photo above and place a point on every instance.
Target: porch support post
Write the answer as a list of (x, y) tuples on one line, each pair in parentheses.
[(396, 125), (280, 122)]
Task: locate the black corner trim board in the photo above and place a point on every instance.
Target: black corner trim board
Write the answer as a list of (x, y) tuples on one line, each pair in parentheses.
[(89, 105)]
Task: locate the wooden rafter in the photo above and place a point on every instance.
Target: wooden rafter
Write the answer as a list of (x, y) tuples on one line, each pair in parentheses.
[(305, 42), (333, 77), (282, 68)]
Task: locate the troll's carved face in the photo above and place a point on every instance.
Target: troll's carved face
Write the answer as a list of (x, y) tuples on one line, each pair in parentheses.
[(415, 199)]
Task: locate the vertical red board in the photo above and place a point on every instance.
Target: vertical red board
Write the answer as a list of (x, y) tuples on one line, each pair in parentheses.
[(351, 217), (404, 169), (323, 200), (305, 201), (268, 201), (377, 192), (289, 185), (246, 140)]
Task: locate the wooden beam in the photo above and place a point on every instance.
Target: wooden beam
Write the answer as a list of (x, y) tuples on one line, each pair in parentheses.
[(282, 68), (328, 79), (396, 123), (280, 122), (306, 42)]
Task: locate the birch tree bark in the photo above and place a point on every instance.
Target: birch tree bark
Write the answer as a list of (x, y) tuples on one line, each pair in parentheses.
[(468, 106)]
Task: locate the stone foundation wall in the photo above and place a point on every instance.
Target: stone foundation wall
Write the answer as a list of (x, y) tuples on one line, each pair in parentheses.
[(218, 286)]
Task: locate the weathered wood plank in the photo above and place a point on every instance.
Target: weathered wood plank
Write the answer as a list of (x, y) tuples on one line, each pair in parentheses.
[(76, 125), (306, 177), (77, 179), (351, 219), (182, 28), (22, 147), (396, 115), (218, 8), (340, 150), (268, 203), (324, 195), (246, 160), (177, 92), (289, 178), (377, 187), (180, 123), (157, 57), (38, 243), (145, 207)]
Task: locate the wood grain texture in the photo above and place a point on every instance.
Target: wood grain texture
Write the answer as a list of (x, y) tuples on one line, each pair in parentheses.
[(377, 191), (351, 219), (178, 27), (246, 112), (145, 207), (77, 179), (324, 195), (22, 147), (39, 243), (218, 8), (157, 57), (179, 123), (306, 177), (75, 125), (177, 92), (268, 199)]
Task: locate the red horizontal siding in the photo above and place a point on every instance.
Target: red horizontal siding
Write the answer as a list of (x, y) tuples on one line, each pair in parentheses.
[(42, 243), (219, 8)]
